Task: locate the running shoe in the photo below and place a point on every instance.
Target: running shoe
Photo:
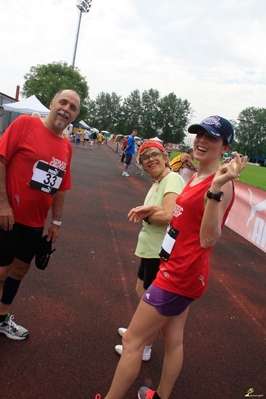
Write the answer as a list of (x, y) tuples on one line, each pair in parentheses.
[(145, 356), (13, 330), (145, 393), (121, 331)]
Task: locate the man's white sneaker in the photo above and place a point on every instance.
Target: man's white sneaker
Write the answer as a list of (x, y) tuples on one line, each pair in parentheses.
[(13, 330), (121, 331), (145, 356), (125, 174)]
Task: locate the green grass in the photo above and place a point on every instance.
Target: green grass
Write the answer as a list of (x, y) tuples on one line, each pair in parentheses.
[(252, 175)]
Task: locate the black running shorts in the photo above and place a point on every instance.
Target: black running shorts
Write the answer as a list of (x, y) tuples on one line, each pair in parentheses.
[(21, 242), (148, 269)]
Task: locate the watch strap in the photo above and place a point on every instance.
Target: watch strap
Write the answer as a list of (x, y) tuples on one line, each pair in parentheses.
[(56, 222), (218, 197)]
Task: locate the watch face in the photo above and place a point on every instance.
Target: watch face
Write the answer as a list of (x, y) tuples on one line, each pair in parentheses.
[(220, 196)]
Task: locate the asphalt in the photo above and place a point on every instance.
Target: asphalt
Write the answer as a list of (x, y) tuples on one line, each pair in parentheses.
[(74, 307)]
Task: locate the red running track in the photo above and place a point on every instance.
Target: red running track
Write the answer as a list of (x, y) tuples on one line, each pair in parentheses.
[(73, 309)]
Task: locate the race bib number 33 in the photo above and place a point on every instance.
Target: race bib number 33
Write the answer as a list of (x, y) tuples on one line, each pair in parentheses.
[(46, 178)]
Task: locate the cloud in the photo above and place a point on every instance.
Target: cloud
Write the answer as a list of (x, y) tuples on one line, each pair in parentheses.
[(210, 53)]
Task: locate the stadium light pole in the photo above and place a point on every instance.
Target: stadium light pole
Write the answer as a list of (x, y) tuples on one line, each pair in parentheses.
[(84, 7)]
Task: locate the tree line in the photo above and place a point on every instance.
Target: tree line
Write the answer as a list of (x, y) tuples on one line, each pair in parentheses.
[(148, 112)]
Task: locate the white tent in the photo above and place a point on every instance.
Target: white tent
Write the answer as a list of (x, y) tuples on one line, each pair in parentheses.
[(27, 106), (156, 139), (94, 130), (84, 124)]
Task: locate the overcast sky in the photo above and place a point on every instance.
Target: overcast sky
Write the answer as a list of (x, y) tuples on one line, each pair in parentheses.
[(210, 52)]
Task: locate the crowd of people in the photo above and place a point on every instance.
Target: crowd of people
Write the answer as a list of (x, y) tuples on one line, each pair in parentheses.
[(180, 224), (86, 138)]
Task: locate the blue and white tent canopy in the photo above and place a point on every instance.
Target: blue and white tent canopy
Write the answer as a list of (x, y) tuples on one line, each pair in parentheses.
[(84, 124)]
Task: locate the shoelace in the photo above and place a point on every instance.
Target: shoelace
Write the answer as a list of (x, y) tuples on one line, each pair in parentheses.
[(14, 326)]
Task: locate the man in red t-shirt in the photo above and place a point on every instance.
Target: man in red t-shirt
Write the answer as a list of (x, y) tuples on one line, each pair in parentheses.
[(33, 179)]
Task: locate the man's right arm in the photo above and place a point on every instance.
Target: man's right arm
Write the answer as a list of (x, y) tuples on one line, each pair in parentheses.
[(6, 212)]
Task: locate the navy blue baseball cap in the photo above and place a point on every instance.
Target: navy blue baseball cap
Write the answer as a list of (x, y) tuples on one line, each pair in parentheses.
[(217, 126)]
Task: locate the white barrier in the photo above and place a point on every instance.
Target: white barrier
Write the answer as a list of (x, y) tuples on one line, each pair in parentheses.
[(114, 145), (186, 173), (248, 214), (139, 169)]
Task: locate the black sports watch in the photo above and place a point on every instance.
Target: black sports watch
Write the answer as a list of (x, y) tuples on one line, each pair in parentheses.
[(218, 197)]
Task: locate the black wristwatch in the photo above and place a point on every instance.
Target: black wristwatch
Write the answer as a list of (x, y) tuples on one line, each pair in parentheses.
[(218, 197)]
